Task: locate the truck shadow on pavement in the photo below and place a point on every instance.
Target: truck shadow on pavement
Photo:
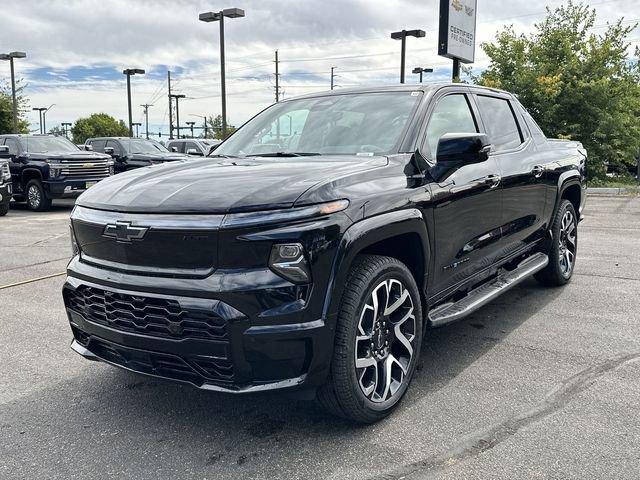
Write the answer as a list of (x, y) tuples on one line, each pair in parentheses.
[(267, 435)]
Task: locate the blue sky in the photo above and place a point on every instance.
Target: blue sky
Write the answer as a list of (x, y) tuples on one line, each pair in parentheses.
[(77, 49)]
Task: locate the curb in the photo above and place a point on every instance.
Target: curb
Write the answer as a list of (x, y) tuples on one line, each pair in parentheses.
[(610, 191)]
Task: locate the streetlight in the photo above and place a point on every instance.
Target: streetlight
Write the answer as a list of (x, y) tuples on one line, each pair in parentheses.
[(402, 35), (64, 127), (219, 17), (205, 122), (10, 56), (128, 72), (137, 125), (191, 124), (44, 118), (178, 96), (420, 70), (40, 110)]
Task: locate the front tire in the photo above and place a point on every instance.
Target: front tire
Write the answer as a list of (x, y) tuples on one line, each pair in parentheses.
[(564, 247), (377, 340), (37, 201)]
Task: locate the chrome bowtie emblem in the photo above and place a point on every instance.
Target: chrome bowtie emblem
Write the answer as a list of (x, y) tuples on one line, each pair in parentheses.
[(124, 232)]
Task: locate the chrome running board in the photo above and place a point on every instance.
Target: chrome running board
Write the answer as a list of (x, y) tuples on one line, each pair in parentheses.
[(452, 311)]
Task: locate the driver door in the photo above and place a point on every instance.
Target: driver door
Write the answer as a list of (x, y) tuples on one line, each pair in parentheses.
[(467, 202)]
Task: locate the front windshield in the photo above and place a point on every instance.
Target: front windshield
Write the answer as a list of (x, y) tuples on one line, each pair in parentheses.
[(350, 124), (48, 144), (140, 145)]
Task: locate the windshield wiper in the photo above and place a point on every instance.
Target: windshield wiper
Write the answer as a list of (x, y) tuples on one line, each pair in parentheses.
[(286, 154)]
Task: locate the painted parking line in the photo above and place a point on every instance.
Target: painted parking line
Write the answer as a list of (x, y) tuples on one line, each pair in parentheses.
[(16, 284)]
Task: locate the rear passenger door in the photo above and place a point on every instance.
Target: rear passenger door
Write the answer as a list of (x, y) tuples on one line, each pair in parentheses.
[(523, 182)]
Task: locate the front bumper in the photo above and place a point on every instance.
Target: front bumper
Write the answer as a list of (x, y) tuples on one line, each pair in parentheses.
[(227, 351), (66, 188)]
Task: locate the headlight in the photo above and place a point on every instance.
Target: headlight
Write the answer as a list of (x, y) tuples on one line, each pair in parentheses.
[(111, 170), (54, 170), (288, 261), (75, 249)]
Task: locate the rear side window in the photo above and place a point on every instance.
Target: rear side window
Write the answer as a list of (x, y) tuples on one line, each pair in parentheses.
[(500, 123), (12, 143), (451, 115), (179, 146)]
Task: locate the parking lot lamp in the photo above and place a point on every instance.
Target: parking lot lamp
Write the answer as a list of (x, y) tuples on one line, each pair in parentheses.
[(128, 72), (137, 125), (420, 70), (65, 129), (40, 110), (191, 124), (178, 96), (10, 56), (402, 36), (219, 17)]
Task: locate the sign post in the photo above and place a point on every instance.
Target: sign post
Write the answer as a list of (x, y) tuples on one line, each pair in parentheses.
[(457, 37)]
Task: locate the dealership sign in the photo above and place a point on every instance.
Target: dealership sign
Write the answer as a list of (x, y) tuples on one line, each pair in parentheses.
[(457, 37)]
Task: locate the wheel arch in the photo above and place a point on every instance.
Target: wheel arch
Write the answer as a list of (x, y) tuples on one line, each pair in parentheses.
[(569, 188), (401, 234), (29, 174)]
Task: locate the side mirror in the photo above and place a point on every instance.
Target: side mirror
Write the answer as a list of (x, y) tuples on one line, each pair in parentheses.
[(109, 151), (193, 151), (88, 148), (174, 149), (458, 149), (4, 152)]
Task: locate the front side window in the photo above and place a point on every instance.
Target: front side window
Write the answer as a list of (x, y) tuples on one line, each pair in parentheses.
[(117, 150), (12, 143), (500, 123), (452, 114), (348, 124), (98, 145)]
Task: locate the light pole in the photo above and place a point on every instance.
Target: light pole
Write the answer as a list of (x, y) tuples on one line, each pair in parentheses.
[(420, 70), (178, 96), (146, 117), (191, 124), (40, 110), (205, 122), (333, 75), (128, 72), (64, 127), (44, 118), (402, 36), (219, 17), (137, 125), (10, 56)]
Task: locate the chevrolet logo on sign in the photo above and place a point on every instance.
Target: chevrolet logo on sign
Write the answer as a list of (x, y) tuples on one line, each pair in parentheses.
[(124, 232)]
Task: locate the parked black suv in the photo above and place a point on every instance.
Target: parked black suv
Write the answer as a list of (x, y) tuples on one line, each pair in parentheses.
[(130, 153), (46, 167), (314, 257)]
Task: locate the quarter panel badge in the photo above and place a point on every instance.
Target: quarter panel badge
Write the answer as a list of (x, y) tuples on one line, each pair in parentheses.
[(124, 232)]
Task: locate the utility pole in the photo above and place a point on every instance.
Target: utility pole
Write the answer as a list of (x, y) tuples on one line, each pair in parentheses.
[(332, 76), (170, 112), (177, 96), (146, 117), (277, 80)]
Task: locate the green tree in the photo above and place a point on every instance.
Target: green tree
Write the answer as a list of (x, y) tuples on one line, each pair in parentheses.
[(214, 127), (98, 125), (576, 84), (6, 108)]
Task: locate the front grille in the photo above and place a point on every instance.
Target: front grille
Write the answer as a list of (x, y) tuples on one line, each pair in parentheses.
[(161, 364), (85, 169), (157, 317)]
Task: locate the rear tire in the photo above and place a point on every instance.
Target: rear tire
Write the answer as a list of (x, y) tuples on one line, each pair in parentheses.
[(4, 209), (377, 340), (564, 247), (37, 201)]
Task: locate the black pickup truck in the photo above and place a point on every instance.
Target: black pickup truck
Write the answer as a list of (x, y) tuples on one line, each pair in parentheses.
[(46, 167), (321, 241)]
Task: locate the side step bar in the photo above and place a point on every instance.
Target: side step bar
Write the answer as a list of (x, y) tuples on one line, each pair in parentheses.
[(452, 311)]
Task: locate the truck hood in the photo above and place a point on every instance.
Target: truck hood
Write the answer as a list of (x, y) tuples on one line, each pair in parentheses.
[(215, 185), (79, 155)]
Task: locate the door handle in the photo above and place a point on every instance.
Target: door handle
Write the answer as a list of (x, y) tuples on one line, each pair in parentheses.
[(537, 171), (493, 180)]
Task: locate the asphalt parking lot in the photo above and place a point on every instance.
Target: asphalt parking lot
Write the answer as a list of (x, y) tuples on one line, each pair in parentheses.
[(539, 384)]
